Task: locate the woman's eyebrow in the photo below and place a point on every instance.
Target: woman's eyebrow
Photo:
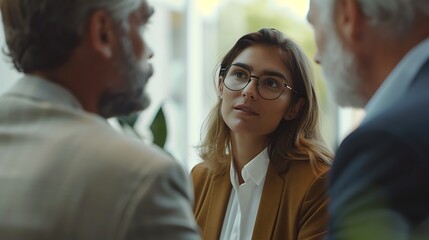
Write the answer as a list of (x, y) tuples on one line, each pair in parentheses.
[(243, 65), (273, 73)]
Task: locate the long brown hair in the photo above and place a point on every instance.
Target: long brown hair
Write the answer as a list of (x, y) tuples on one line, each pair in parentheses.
[(297, 139)]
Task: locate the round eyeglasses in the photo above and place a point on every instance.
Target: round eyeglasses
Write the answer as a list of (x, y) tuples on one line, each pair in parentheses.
[(269, 86)]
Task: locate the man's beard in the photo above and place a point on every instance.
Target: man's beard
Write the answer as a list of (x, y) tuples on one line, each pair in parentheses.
[(131, 97), (341, 72)]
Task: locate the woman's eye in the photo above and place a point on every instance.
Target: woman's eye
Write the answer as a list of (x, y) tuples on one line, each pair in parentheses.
[(272, 82), (240, 75)]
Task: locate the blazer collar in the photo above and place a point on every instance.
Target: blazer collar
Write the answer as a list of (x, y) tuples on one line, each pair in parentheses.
[(219, 202), (394, 88), (39, 89), (270, 204)]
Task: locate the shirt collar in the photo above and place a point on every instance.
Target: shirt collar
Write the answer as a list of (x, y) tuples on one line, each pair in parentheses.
[(398, 81), (254, 171), (37, 88)]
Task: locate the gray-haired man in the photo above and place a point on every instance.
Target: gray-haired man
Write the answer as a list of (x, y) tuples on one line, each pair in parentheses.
[(375, 54), (64, 173)]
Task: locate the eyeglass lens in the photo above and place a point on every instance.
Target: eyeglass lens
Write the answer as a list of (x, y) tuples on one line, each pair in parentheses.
[(269, 86)]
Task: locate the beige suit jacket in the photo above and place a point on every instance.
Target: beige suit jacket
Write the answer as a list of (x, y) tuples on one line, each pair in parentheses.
[(293, 204), (66, 174)]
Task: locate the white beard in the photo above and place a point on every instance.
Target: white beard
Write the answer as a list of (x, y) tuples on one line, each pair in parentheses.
[(131, 97), (341, 73)]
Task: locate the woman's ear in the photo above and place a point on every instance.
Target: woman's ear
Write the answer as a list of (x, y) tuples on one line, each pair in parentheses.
[(294, 109), (220, 87)]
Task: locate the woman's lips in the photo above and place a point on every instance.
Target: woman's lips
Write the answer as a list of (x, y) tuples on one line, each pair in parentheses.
[(246, 109)]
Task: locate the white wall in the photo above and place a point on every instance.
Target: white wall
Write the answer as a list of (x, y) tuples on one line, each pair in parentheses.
[(8, 74)]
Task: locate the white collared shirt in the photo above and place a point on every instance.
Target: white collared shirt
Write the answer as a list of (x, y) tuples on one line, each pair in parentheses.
[(398, 81), (244, 200)]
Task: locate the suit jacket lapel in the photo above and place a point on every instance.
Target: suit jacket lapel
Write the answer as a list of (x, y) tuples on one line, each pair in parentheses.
[(269, 205), (219, 201)]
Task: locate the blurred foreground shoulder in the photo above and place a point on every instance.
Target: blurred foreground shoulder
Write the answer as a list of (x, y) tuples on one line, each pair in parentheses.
[(160, 199)]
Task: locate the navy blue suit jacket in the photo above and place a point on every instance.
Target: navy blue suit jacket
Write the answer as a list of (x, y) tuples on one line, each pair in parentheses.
[(379, 183)]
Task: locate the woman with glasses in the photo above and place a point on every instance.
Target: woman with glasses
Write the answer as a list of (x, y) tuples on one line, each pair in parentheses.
[(265, 163)]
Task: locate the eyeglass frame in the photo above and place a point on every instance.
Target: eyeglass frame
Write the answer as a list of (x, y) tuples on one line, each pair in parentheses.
[(224, 71)]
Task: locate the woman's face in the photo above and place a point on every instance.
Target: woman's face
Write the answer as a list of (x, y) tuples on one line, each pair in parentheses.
[(246, 112)]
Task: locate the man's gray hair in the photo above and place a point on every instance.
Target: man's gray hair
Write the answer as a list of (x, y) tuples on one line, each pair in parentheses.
[(393, 16), (119, 9), (41, 34)]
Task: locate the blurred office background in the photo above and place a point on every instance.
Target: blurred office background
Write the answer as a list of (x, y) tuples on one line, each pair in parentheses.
[(189, 37)]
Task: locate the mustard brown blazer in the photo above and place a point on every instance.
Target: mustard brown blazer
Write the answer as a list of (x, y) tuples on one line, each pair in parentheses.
[(293, 204)]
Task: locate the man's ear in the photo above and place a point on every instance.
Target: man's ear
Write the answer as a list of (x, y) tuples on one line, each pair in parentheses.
[(294, 109), (101, 33), (349, 20)]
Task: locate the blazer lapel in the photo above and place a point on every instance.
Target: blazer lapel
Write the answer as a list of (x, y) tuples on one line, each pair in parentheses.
[(219, 201), (269, 205)]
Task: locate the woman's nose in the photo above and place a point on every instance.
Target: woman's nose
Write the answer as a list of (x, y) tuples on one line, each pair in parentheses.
[(251, 90)]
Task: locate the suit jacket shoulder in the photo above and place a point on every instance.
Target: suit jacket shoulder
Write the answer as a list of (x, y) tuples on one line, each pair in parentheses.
[(381, 171), (77, 178)]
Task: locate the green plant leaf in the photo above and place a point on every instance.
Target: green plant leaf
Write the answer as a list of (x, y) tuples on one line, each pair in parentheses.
[(158, 127)]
